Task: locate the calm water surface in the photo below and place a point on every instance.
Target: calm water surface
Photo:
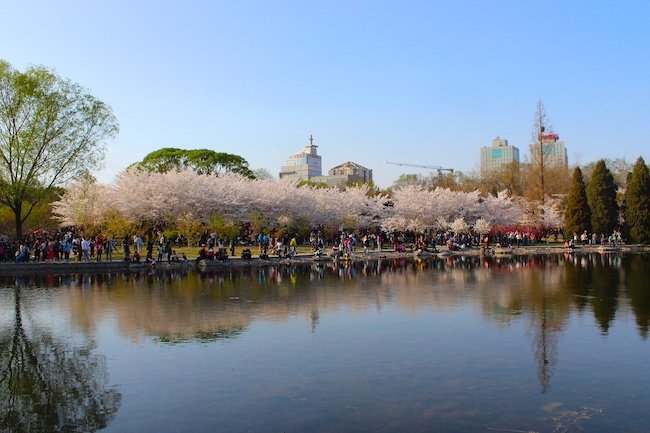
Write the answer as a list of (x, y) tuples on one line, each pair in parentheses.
[(542, 344)]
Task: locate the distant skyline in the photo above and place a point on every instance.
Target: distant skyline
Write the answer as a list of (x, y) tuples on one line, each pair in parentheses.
[(423, 82)]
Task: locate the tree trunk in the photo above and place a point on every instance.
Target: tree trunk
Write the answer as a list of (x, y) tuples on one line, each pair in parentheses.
[(18, 210)]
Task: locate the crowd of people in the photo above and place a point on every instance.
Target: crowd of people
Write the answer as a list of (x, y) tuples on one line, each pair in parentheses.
[(601, 239), (153, 246), (60, 245), (69, 244), (162, 245)]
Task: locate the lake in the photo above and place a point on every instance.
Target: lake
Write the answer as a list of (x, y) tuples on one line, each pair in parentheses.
[(554, 343)]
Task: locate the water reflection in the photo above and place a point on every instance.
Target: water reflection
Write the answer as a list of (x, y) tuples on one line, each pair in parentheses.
[(177, 306), (635, 277), (47, 383)]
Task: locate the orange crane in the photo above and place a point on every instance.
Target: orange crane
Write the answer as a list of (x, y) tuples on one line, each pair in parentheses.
[(433, 167)]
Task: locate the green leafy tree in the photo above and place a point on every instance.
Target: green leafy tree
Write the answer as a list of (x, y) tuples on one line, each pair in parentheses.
[(222, 227), (51, 130), (164, 160), (311, 183), (637, 204), (410, 179), (202, 161), (507, 177), (577, 216), (601, 196), (41, 216), (189, 226), (262, 174)]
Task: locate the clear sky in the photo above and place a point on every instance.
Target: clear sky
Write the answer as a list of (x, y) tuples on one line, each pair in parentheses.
[(425, 82)]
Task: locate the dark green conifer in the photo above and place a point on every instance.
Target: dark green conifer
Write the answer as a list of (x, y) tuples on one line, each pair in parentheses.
[(637, 204), (577, 217), (601, 196)]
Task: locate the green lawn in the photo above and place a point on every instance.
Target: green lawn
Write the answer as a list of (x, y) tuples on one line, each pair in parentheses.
[(193, 252)]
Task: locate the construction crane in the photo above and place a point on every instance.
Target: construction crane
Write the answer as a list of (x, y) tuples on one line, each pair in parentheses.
[(433, 167)]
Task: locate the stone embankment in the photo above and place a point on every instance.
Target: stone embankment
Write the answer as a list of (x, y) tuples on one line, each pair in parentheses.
[(61, 267)]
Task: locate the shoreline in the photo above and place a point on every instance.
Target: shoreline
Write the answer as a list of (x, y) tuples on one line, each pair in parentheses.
[(61, 267)]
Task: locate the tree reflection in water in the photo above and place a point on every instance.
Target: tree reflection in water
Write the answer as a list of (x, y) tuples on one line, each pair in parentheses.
[(636, 284), (544, 290), (47, 385)]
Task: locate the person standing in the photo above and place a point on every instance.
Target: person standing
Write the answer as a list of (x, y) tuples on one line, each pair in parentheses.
[(67, 247), (293, 245), (126, 249), (160, 252), (138, 244), (168, 250), (150, 249), (85, 249), (110, 246), (99, 248)]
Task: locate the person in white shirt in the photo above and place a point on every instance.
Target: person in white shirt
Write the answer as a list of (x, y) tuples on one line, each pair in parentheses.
[(85, 249)]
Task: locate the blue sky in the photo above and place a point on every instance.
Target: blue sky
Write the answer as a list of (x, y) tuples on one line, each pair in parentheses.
[(425, 82)]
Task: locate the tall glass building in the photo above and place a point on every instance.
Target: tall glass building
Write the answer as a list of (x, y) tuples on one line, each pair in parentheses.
[(498, 155)]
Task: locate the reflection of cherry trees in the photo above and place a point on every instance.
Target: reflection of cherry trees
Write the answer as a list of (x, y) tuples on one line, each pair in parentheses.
[(47, 385), (165, 197)]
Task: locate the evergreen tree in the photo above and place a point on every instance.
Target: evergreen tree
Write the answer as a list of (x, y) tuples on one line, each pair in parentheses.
[(637, 204), (577, 216), (601, 196)]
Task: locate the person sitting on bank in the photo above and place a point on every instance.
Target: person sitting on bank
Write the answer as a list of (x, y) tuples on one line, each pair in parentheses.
[(246, 254)]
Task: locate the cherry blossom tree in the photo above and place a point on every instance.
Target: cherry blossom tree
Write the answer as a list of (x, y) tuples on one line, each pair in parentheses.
[(552, 213), (482, 226), (459, 226), (167, 198), (84, 204)]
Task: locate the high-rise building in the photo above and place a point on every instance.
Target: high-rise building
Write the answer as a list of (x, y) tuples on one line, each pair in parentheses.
[(498, 155), (553, 152), (303, 165)]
